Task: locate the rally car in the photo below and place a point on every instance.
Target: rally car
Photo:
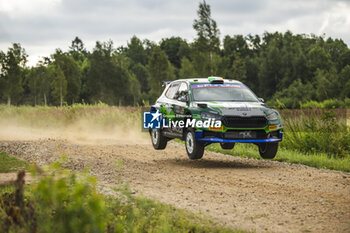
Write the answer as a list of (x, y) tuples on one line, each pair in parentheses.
[(229, 111)]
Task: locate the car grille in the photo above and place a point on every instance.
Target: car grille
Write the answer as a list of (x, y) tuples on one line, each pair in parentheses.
[(244, 122)]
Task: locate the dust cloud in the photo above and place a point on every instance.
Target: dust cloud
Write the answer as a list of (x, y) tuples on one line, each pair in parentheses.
[(83, 131)]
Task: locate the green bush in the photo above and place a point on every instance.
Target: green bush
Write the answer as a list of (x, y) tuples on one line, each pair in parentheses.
[(311, 104), (291, 103), (327, 104), (310, 134), (333, 103)]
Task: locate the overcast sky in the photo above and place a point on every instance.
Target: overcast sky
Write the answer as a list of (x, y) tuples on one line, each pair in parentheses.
[(43, 25)]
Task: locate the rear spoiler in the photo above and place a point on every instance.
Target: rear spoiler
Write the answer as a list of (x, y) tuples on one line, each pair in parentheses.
[(165, 83)]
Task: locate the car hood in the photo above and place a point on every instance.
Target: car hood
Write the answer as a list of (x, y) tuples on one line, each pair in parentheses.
[(244, 109)]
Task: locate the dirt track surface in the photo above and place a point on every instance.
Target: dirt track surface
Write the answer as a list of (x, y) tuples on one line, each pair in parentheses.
[(264, 196)]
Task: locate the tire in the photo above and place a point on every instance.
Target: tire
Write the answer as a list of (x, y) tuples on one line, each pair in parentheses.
[(268, 150), (195, 150), (158, 140), (227, 146)]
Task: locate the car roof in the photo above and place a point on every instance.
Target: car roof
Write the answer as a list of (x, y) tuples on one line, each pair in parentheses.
[(205, 80)]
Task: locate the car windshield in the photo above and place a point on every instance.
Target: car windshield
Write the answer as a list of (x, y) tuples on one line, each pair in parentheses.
[(223, 92)]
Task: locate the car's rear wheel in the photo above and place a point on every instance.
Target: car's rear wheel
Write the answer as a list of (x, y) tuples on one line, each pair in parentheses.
[(268, 150), (158, 140), (195, 150), (227, 146)]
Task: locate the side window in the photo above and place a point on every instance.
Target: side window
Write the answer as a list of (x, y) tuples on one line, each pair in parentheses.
[(172, 90), (182, 92)]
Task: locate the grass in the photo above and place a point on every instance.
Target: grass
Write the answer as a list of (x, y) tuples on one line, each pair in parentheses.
[(318, 160), (322, 132), (70, 202), (10, 163), (152, 216)]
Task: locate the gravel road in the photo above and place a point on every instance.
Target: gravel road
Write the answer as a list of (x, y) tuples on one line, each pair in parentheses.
[(265, 196)]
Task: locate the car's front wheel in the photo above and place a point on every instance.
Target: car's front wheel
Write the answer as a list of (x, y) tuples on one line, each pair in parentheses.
[(158, 140), (195, 150), (268, 150)]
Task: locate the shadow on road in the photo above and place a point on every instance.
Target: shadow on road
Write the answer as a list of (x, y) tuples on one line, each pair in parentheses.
[(210, 163)]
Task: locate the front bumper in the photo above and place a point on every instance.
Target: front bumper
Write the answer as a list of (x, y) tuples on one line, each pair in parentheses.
[(199, 137)]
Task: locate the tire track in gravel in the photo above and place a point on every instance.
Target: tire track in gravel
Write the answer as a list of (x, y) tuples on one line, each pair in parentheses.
[(265, 196)]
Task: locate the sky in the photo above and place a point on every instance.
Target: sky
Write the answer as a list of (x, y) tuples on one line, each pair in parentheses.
[(41, 26)]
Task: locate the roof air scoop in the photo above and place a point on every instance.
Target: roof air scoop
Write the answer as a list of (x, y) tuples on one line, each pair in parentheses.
[(216, 80)]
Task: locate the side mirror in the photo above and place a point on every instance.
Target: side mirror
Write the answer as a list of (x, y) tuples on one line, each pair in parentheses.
[(261, 100)]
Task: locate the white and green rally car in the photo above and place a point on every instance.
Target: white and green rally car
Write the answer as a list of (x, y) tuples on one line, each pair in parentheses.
[(215, 110)]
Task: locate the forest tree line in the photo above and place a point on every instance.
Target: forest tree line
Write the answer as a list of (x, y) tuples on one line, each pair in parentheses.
[(286, 68)]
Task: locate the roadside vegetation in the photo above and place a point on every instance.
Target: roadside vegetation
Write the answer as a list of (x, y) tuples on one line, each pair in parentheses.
[(322, 133), (10, 163), (70, 202)]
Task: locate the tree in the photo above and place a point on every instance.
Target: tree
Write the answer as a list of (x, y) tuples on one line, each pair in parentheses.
[(108, 76), (344, 82), (135, 89), (238, 69), (59, 84), (45, 84), (171, 46), (254, 42), (142, 76), (252, 65), (12, 65), (135, 51), (160, 70), (325, 84), (206, 28), (184, 50), (35, 80), (84, 71), (236, 44), (2, 73), (72, 74), (270, 69), (187, 69), (77, 50), (126, 87), (99, 70), (208, 41), (296, 93), (291, 67), (318, 59), (39, 83)]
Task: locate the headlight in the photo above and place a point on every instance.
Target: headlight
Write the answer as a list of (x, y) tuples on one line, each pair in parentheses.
[(208, 115), (272, 116)]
